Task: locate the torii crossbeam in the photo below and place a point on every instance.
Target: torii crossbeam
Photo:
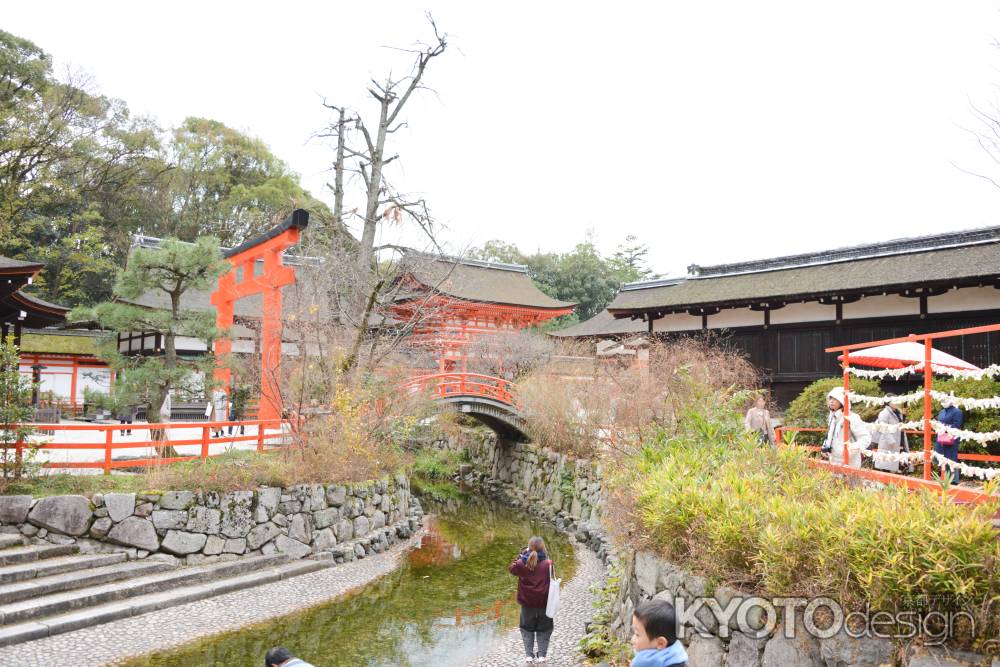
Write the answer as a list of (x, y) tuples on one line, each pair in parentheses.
[(240, 281)]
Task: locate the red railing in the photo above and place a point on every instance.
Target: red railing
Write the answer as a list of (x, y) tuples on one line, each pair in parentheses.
[(959, 493), (106, 441), (452, 385)]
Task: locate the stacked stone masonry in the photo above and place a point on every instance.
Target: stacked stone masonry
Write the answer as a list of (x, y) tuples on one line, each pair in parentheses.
[(569, 492), (348, 521)]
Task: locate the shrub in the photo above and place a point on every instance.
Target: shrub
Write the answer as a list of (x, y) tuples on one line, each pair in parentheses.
[(975, 420), (605, 405), (737, 512), (809, 409)]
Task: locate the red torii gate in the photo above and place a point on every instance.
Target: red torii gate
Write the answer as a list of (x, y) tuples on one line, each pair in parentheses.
[(240, 282)]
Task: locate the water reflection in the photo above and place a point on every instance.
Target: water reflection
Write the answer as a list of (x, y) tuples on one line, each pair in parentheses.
[(450, 596)]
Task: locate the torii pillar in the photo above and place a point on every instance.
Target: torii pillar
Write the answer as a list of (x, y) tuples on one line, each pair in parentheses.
[(240, 282)]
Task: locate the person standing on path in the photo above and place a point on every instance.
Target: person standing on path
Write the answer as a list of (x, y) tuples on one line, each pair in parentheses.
[(220, 403), (533, 570)]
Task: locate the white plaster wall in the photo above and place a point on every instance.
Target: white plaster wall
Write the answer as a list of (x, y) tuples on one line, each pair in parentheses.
[(93, 378), (881, 306), (190, 344), (732, 318), (243, 346), (678, 322), (966, 298), (803, 312)]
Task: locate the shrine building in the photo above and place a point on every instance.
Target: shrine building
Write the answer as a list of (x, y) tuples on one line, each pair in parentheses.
[(452, 302), (784, 311)]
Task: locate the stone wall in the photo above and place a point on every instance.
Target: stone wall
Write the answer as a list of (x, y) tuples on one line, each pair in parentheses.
[(566, 491), (746, 640), (349, 521)]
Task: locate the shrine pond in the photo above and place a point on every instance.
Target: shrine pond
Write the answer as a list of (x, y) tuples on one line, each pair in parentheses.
[(447, 599)]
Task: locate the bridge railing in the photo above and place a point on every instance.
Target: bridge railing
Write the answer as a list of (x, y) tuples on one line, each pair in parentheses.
[(453, 385)]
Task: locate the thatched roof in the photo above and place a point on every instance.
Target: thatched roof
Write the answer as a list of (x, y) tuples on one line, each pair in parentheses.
[(484, 282), (75, 342), (964, 258), (10, 266), (603, 324)]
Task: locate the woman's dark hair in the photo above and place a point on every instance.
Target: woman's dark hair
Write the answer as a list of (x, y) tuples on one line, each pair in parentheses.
[(536, 544), (658, 619), (276, 656)]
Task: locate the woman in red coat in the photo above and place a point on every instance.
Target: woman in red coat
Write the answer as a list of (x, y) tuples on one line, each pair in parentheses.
[(533, 571)]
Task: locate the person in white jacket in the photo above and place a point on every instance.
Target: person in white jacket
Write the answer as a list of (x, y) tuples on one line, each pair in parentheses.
[(859, 436), (891, 438)]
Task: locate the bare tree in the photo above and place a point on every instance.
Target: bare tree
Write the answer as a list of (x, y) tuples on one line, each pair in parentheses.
[(370, 157), (362, 150)]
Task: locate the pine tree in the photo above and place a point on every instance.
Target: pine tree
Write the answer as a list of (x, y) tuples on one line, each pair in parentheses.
[(169, 272)]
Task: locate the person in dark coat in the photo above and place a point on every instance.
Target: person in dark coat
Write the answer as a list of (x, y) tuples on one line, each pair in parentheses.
[(947, 445), (126, 415), (533, 570)]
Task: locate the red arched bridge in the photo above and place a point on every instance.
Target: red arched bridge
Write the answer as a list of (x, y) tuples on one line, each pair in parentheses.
[(491, 400)]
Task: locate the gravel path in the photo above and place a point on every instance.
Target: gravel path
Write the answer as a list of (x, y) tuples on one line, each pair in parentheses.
[(114, 642), (575, 610)]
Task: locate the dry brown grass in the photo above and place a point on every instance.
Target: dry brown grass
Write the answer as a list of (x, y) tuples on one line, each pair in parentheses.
[(610, 405)]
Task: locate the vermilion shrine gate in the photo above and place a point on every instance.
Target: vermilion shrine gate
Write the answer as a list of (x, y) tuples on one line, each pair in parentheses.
[(242, 281)]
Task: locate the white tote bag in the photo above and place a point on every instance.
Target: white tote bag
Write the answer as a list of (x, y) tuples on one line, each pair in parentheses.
[(552, 606)]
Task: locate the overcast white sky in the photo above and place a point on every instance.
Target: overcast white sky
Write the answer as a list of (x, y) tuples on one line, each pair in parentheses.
[(714, 131)]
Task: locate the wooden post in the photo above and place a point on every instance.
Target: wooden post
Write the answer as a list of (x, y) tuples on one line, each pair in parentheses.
[(928, 381), (109, 434), (72, 388), (18, 456), (260, 436), (847, 407), (204, 442)]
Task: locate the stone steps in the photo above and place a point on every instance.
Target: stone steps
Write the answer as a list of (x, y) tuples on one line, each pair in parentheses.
[(7, 541), (35, 552), (58, 603), (42, 568), (65, 612), (67, 581)]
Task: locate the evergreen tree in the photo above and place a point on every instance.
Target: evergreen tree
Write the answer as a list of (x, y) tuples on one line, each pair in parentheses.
[(168, 273), (15, 408)]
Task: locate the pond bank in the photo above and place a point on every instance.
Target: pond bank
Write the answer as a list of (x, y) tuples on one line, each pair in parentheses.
[(442, 604)]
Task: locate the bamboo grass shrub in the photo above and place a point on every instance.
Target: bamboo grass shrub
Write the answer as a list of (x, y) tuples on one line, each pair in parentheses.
[(709, 497)]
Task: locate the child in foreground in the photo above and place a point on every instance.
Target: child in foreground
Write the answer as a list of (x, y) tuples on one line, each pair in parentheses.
[(654, 636)]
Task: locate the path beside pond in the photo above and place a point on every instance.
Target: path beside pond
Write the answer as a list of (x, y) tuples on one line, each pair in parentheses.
[(575, 610), (117, 641)]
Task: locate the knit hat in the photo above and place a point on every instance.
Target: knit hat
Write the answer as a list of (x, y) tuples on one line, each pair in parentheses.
[(837, 393)]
